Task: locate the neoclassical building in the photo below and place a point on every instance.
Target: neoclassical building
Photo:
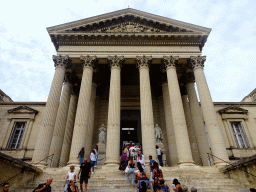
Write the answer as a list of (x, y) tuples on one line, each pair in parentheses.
[(128, 71)]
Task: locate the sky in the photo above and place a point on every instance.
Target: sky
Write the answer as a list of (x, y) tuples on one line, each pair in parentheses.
[(27, 69)]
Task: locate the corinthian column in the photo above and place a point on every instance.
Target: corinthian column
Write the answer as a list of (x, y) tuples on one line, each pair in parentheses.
[(89, 135), (146, 109), (59, 129), (83, 109), (46, 131), (65, 151), (169, 125), (214, 132), (178, 116), (114, 107), (198, 122)]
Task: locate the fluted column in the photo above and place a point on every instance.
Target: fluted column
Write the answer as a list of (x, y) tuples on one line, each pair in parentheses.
[(178, 116), (189, 122), (114, 109), (216, 140), (46, 131), (89, 135), (146, 108), (197, 118), (169, 125), (83, 109), (59, 129), (65, 151)]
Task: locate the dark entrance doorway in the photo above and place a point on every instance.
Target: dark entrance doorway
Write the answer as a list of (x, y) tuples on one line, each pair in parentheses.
[(130, 127)]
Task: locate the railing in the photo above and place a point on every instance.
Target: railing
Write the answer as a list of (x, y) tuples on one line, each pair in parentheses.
[(209, 154), (50, 157)]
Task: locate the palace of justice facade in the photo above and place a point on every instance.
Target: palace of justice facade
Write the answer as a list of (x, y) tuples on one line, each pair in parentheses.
[(128, 71)]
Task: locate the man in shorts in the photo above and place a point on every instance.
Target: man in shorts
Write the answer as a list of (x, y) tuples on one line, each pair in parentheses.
[(85, 170)]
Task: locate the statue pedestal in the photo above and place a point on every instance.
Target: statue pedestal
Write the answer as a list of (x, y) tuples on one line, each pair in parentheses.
[(102, 153)]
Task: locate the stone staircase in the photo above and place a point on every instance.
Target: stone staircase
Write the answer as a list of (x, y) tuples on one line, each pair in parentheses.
[(109, 178)]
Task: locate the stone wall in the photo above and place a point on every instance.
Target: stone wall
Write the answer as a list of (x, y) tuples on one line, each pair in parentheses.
[(243, 171)]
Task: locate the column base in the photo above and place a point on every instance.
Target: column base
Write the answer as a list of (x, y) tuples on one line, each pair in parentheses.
[(220, 165), (111, 166), (186, 164), (40, 165), (74, 162)]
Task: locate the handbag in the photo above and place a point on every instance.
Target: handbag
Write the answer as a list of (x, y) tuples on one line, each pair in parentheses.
[(127, 169)]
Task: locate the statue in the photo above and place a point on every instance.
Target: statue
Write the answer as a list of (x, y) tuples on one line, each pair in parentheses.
[(102, 135), (159, 134)]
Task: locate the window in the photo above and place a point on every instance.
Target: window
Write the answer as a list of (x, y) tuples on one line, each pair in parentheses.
[(239, 135), (16, 136)]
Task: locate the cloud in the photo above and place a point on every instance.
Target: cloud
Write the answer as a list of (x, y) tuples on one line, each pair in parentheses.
[(26, 66)]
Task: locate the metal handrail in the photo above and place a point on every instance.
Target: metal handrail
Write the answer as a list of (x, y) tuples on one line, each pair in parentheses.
[(22, 170), (228, 163)]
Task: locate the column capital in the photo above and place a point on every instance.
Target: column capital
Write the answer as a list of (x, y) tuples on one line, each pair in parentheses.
[(115, 61), (61, 61), (197, 62), (143, 61), (170, 61), (190, 78), (88, 61)]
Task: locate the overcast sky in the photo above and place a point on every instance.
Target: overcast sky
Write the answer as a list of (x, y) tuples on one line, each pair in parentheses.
[(26, 66)]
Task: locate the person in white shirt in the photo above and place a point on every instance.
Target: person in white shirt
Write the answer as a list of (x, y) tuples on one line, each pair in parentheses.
[(159, 155), (96, 149), (92, 160), (70, 176)]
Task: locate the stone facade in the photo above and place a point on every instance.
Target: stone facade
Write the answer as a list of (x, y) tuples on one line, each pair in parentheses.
[(128, 73)]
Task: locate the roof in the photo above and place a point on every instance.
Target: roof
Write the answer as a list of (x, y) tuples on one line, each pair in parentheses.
[(127, 24)]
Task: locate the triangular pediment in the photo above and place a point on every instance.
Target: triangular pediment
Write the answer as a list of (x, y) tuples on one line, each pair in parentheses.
[(22, 109), (128, 21), (233, 109)]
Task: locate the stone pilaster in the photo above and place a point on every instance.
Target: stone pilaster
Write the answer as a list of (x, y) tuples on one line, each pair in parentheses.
[(114, 109), (169, 126), (197, 118), (89, 135), (59, 129), (65, 151), (189, 122), (214, 133), (83, 109), (178, 116), (41, 151), (146, 108)]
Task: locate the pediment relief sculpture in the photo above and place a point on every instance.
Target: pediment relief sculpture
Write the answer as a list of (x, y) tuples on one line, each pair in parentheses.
[(22, 109), (233, 109), (129, 28)]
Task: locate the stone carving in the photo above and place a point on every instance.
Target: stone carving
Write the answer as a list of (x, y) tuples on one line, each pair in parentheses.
[(197, 62), (88, 61), (129, 27), (102, 135), (61, 61), (171, 61), (116, 61), (143, 61), (159, 134)]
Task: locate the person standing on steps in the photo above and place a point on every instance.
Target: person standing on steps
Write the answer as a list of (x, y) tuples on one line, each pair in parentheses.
[(92, 160), (45, 187), (131, 165), (157, 175), (159, 155), (96, 149), (143, 181), (70, 176), (151, 164), (85, 170), (81, 156), (72, 187)]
